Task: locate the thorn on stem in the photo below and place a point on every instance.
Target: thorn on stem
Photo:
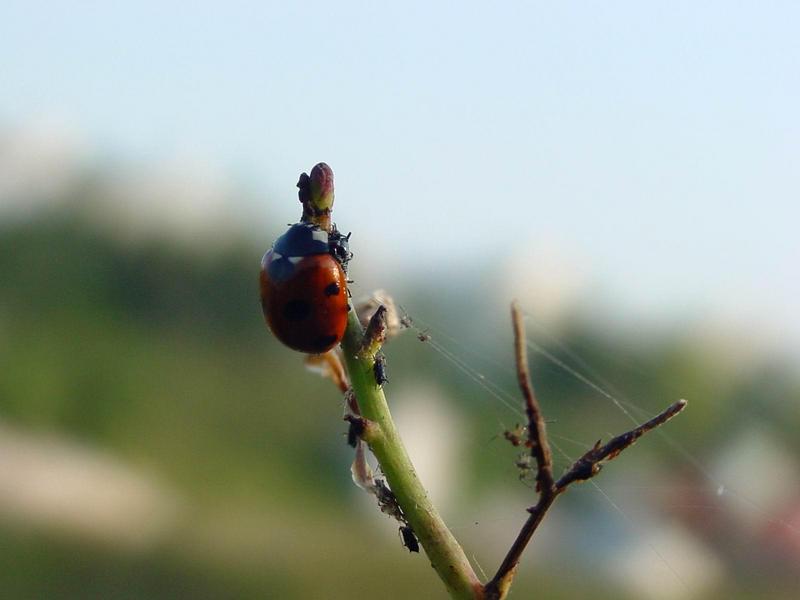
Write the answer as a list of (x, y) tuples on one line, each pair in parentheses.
[(375, 334), (366, 307)]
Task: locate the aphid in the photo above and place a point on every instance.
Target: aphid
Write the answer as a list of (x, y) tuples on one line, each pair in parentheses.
[(304, 292), (387, 501), (355, 430), (424, 336), (340, 248), (524, 463), (517, 436), (409, 538), (379, 370)]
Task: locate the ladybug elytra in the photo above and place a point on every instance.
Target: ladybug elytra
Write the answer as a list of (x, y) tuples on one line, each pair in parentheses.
[(304, 288)]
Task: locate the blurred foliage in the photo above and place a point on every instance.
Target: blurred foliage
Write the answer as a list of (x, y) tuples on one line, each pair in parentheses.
[(157, 354)]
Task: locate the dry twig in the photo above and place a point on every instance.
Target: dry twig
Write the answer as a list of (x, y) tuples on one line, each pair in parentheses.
[(586, 467)]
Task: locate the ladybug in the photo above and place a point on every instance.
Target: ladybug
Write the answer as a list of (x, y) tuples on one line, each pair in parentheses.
[(304, 288)]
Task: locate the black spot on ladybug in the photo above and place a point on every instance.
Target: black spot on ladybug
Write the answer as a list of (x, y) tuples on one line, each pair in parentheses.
[(332, 289), (296, 310), (325, 340)]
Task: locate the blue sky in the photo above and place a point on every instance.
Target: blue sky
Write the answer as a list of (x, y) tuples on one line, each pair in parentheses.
[(658, 143)]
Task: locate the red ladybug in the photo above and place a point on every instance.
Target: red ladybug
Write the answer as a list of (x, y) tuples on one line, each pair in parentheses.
[(304, 288)]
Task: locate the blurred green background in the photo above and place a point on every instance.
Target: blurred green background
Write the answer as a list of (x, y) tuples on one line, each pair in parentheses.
[(157, 442), (627, 170)]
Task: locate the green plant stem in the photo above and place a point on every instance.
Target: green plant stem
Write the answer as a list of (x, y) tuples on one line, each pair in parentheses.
[(446, 555)]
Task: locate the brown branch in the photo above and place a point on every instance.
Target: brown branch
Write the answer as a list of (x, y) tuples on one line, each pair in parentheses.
[(589, 465), (586, 467), (537, 432)]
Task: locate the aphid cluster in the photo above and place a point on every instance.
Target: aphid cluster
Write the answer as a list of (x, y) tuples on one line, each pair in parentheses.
[(524, 462), (519, 437), (388, 504)]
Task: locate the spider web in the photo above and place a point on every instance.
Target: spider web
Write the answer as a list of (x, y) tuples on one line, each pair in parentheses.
[(507, 403)]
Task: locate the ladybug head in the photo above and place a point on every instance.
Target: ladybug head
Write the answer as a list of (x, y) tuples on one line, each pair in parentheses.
[(302, 239)]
